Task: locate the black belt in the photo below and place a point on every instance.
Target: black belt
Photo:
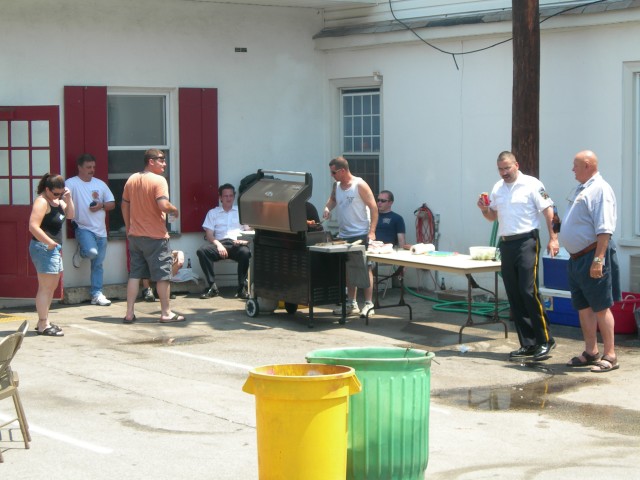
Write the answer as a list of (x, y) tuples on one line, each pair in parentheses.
[(519, 236)]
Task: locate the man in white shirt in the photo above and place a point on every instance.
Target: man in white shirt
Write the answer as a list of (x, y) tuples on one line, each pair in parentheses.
[(516, 202), (222, 228), (92, 199)]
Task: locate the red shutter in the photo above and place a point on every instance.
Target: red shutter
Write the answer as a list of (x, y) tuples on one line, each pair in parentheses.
[(198, 124), (85, 129)]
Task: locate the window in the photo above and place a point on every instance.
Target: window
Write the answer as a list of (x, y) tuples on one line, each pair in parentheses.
[(629, 200), (135, 123), (360, 127), (24, 158), (636, 149)]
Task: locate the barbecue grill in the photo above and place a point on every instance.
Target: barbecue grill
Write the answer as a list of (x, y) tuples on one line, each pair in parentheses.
[(283, 268)]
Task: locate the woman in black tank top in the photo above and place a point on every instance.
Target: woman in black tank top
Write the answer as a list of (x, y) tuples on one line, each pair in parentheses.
[(51, 208)]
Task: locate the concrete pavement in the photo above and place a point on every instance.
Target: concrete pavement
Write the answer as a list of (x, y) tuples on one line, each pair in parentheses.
[(164, 401)]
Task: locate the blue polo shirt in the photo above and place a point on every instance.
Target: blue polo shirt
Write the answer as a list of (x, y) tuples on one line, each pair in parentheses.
[(592, 212)]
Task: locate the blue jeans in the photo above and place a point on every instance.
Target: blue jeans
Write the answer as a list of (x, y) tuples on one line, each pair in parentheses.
[(94, 248)]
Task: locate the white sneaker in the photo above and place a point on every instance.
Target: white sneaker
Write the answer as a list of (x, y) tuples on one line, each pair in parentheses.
[(352, 309), (100, 300), (367, 310)]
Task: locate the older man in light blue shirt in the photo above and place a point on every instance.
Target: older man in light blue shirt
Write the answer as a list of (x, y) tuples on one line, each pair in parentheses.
[(593, 267)]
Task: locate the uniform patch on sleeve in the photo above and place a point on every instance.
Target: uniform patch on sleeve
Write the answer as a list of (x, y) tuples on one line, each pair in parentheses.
[(543, 193)]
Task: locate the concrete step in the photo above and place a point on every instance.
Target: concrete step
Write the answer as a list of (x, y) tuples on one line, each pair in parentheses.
[(76, 295)]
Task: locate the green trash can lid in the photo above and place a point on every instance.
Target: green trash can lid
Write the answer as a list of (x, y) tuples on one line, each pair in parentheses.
[(369, 355)]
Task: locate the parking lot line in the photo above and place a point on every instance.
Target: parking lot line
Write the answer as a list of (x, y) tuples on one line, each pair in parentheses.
[(207, 359), (62, 437)]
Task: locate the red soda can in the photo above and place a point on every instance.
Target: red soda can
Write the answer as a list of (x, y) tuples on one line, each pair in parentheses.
[(485, 198)]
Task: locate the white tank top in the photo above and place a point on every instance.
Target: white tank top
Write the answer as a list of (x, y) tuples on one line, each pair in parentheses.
[(353, 213)]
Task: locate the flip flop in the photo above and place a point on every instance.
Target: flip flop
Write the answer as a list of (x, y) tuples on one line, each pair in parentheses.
[(129, 322), (605, 364), (52, 331), (174, 319), (590, 360)]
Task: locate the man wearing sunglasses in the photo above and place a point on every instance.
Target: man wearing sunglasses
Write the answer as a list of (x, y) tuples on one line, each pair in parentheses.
[(391, 228), (357, 220), (145, 206)]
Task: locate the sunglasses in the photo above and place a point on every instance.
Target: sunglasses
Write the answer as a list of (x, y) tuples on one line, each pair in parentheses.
[(333, 172), (162, 159), (381, 200), (57, 194)]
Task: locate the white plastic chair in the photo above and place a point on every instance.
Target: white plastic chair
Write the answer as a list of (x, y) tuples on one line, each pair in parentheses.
[(9, 346)]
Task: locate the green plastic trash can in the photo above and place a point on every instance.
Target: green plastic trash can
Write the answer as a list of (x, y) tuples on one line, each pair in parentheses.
[(388, 434)]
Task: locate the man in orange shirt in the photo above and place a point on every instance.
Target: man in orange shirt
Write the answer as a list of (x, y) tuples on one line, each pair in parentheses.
[(145, 204)]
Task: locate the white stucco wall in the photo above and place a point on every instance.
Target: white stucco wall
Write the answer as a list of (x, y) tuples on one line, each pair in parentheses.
[(270, 98), (443, 127)]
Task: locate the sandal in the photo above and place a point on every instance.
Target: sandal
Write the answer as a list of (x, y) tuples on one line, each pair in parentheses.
[(605, 364), (175, 318), (129, 322), (590, 360), (52, 331), (53, 325)]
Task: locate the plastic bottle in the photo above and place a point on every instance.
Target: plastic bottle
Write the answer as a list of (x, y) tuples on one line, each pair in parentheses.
[(188, 263), (442, 285)]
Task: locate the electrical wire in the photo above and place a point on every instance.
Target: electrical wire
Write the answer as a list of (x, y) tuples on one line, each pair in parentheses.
[(453, 54)]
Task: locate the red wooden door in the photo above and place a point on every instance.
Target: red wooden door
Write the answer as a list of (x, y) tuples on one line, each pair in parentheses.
[(29, 148)]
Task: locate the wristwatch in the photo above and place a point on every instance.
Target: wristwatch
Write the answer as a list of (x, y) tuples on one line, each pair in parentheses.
[(598, 260)]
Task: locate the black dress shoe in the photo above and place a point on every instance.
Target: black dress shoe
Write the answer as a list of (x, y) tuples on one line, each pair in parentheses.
[(543, 350), (242, 293), (210, 292), (522, 352)]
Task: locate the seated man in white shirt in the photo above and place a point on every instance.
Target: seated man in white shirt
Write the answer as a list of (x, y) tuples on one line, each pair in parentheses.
[(222, 228)]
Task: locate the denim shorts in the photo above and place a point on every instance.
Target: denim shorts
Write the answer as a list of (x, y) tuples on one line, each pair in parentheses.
[(45, 260)]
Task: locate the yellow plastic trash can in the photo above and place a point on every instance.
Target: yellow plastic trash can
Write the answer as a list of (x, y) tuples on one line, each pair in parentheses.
[(301, 420)]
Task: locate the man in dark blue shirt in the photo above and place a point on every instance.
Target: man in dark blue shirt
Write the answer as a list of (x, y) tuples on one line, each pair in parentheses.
[(390, 227)]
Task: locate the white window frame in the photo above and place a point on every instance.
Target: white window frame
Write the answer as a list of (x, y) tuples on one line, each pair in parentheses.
[(629, 209), (172, 145), (337, 86)]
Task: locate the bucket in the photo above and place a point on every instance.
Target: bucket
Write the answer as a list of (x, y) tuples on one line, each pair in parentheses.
[(301, 420), (389, 421)]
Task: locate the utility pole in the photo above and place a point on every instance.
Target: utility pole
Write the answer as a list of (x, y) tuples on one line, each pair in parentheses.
[(525, 110)]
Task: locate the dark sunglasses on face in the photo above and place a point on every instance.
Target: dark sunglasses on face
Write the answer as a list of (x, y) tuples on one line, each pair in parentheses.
[(57, 194), (333, 172), (382, 200)]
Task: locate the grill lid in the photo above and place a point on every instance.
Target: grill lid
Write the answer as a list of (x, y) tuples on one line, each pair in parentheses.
[(276, 204)]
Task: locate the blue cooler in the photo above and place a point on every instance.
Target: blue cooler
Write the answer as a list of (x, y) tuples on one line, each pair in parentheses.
[(557, 303), (554, 274)]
